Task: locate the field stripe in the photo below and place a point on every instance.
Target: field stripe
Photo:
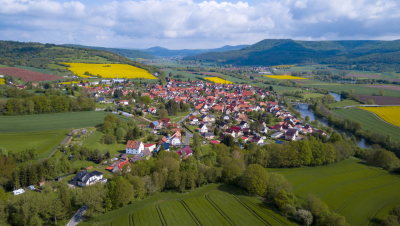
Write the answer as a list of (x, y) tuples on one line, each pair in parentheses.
[(358, 194), (190, 212), (379, 209), (160, 214), (219, 210), (261, 210), (251, 211)]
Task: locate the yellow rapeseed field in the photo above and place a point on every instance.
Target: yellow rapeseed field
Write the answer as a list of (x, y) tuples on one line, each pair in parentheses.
[(283, 77), (283, 66), (389, 114), (109, 70), (2, 81), (218, 80), (71, 82)]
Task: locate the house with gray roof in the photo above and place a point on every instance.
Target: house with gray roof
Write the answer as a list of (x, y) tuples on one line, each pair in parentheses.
[(84, 178)]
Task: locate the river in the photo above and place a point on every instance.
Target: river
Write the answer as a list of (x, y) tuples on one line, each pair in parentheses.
[(303, 109), (336, 96)]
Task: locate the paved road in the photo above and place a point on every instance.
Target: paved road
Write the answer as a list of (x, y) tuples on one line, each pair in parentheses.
[(77, 217), (188, 134)]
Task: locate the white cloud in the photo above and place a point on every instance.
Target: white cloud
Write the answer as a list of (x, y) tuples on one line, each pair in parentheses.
[(190, 24)]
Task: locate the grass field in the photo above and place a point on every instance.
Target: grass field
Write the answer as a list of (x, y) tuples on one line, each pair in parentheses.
[(370, 122), (352, 189), (45, 142), (389, 114), (345, 102), (358, 89), (48, 122), (109, 70), (209, 205)]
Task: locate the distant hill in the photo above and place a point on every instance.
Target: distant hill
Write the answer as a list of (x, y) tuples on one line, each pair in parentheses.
[(49, 56), (129, 53), (164, 52), (287, 51)]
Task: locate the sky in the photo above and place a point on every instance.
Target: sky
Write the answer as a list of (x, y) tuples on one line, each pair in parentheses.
[(192, 24)]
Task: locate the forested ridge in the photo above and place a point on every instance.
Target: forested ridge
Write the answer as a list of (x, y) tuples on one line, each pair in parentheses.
[(287, 51), (130, 53), (39, 55)]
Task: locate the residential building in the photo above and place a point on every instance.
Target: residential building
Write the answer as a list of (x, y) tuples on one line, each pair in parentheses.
[(134, 147)]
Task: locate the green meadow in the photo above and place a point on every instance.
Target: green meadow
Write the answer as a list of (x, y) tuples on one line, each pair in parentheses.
[(213, 204), (361, 193), (46, 131), (370, 122)]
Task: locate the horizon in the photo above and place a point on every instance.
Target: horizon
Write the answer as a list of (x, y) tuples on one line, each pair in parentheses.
[(192, 24)]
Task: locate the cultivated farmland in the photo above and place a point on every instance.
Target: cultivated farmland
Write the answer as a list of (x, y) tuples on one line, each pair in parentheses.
[(370, 122), (26, 75), (287, 77), (2, 81), (380, 100), (389, 114), (352, 189), (109, 70), (218, 80), (210, 205)]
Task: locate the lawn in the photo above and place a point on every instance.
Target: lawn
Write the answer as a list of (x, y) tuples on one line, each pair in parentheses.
[(48, 122), (370, 122), (209, 205), (345, 102), (352, 189), (45, 142), (93, 141)]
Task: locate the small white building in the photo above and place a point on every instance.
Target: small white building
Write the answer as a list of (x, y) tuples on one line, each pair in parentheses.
[(276, 135), (203, 128), (18, 191), (134, 147)]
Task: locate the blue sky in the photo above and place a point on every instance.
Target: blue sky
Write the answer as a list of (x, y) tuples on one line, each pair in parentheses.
[(178, 24)]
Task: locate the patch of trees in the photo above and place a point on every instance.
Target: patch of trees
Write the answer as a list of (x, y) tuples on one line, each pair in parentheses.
[(115, 130), (46, 104), (393, 219)]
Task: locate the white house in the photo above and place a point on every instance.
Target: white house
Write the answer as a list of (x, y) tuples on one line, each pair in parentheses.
[(175, 141), (134, 147), (84, 178), (203, 128), (18, 191)]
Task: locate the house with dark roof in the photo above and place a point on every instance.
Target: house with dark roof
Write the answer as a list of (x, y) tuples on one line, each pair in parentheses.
[(186, 151), (84, 178)]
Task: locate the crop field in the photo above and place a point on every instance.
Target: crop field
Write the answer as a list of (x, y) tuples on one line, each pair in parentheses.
[(370, 122), (26, 75), (209, 205), (358, 89), (218, 80), (352, 189), (345, 102), (45, 71), (48, 122), (283, 66), (2, 81), (389, 114), (380, 100), (283, 77), (109, 70)]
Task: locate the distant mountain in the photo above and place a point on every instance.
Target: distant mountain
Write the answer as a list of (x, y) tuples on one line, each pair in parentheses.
[(164, 52), (287, 51), (129, 53)]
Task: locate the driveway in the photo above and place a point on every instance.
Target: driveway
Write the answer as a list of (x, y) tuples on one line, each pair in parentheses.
[(77, 217), (188, 134)]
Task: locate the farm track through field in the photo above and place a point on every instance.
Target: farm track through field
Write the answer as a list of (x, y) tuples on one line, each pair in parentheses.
[(190, 212), (131, 222), (348, 201), (160, 214), (219, 210), (379, 209), (251, 211), (261, 210), (348, 182)]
